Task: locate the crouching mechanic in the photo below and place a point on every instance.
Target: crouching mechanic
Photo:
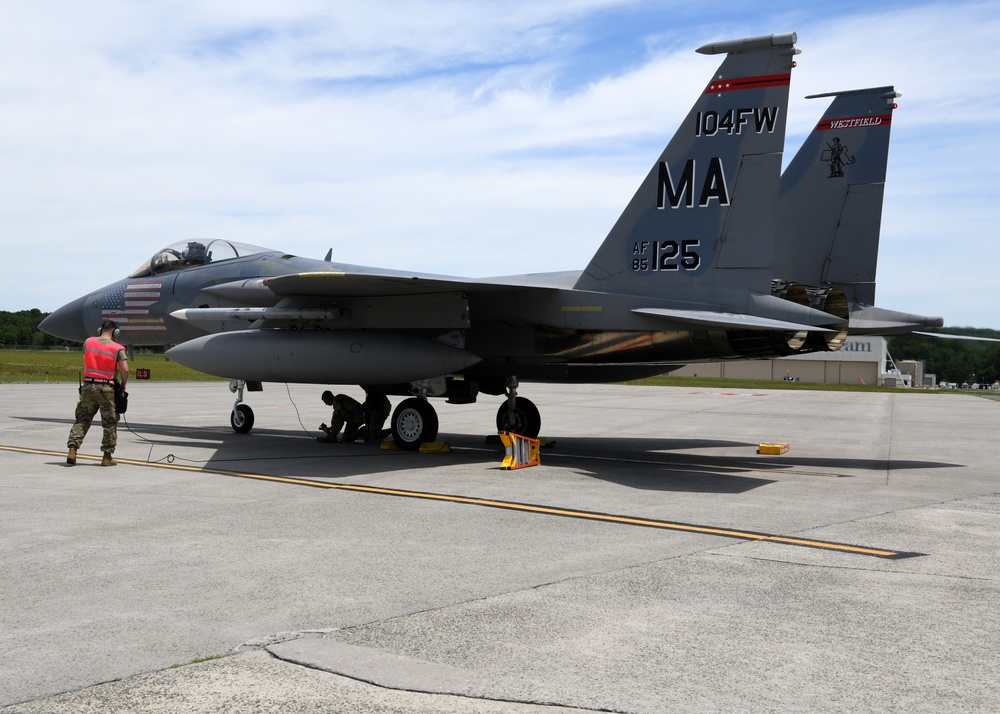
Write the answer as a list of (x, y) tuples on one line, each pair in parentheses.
[(347, 413), (377, 409), (103, 360)]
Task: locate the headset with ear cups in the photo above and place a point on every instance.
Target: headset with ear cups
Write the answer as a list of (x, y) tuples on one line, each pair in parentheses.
[(109, 323)]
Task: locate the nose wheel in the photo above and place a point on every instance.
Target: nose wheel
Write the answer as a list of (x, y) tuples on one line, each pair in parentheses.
[(241, 417)]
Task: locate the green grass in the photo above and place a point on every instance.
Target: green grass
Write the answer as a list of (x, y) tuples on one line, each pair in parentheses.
[(56, 366), (718, 383)]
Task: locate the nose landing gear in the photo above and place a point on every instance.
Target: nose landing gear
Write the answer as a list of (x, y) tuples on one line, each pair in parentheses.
[(241, 417)]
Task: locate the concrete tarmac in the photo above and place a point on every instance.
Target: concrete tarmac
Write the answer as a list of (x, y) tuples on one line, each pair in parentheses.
[(653, 561)]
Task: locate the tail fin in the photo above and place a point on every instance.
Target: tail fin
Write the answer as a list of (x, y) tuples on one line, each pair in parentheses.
[(700, 229), (830, 205)]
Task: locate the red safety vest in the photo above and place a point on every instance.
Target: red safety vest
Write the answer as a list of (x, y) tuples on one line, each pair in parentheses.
[(100, 358)]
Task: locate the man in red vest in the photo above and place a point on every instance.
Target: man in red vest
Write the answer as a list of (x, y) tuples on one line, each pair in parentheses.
[(103, 359)]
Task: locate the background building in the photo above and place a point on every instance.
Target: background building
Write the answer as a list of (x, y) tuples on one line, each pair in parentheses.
[(862, 360)]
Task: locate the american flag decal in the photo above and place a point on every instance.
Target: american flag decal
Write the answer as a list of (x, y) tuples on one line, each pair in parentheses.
[(766, 80), (127, 303)]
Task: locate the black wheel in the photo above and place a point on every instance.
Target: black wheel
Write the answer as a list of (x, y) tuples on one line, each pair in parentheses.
[(242, 419), (414, 422), (524, 420)]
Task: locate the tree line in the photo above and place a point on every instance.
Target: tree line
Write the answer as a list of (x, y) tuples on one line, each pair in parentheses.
[(20, 329), (952, 360)]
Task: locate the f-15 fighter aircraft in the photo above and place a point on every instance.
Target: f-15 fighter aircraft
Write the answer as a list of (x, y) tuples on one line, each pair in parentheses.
[(685, 275)]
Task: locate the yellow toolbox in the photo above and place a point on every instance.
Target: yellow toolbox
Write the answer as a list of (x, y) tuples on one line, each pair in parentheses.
[(772, 449)]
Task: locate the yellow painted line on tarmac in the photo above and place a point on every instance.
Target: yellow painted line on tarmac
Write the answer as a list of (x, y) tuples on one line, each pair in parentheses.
[(510, 506)]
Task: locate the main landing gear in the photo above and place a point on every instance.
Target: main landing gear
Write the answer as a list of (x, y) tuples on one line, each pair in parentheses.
[(414, 421), (518, 415)]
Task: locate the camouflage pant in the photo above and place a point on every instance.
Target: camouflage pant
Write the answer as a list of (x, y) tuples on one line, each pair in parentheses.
[(94, 397), (376, 420), (352, 427)]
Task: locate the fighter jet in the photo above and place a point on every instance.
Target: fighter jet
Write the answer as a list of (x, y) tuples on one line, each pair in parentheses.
[(685, 275)]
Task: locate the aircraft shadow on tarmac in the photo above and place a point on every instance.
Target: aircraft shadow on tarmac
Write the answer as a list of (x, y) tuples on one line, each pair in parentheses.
[(641, 463), (657, 464)]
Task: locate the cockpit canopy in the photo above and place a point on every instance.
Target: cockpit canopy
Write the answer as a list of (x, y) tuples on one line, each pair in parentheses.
[(185, 254)]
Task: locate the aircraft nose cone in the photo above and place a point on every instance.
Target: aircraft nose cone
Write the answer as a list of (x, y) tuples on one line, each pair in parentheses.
[(67, 322)]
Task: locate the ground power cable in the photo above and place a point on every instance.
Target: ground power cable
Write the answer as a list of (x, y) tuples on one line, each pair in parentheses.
[(171, 457)]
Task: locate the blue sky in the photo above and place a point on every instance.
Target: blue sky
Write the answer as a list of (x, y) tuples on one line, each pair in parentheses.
[(462, 138)]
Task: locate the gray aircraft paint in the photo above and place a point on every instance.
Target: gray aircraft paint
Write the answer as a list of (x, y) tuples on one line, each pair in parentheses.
[(830, 213), (700, 228)]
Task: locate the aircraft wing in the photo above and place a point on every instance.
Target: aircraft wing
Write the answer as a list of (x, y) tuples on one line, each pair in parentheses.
[(343, 283), (727, 320), (296, 292), (349, 282), (361, 283)]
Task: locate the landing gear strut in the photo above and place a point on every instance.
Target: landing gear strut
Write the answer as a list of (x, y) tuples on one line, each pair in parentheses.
[(242, 415), (518, 415)]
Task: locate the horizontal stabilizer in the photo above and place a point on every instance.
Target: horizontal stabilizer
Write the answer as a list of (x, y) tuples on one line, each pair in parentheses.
[(945, 336), (871, 320), (726, 320)]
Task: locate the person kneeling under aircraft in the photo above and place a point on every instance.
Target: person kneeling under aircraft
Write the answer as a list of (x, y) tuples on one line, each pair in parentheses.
[(377, 409), (347, 414)]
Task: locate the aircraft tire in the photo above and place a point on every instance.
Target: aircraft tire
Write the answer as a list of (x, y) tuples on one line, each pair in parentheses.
[(525, 421), (241, 419), (414, 422)]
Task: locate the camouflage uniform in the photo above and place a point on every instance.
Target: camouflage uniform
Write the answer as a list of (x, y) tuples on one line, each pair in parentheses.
[(378, 408), (349, 415), (94, 397)]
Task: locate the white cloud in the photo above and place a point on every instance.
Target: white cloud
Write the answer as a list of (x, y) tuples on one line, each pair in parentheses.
[(442, 137)]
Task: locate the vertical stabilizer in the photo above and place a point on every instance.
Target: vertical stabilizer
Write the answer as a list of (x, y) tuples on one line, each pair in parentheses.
[(830, 207), (700, 229)]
